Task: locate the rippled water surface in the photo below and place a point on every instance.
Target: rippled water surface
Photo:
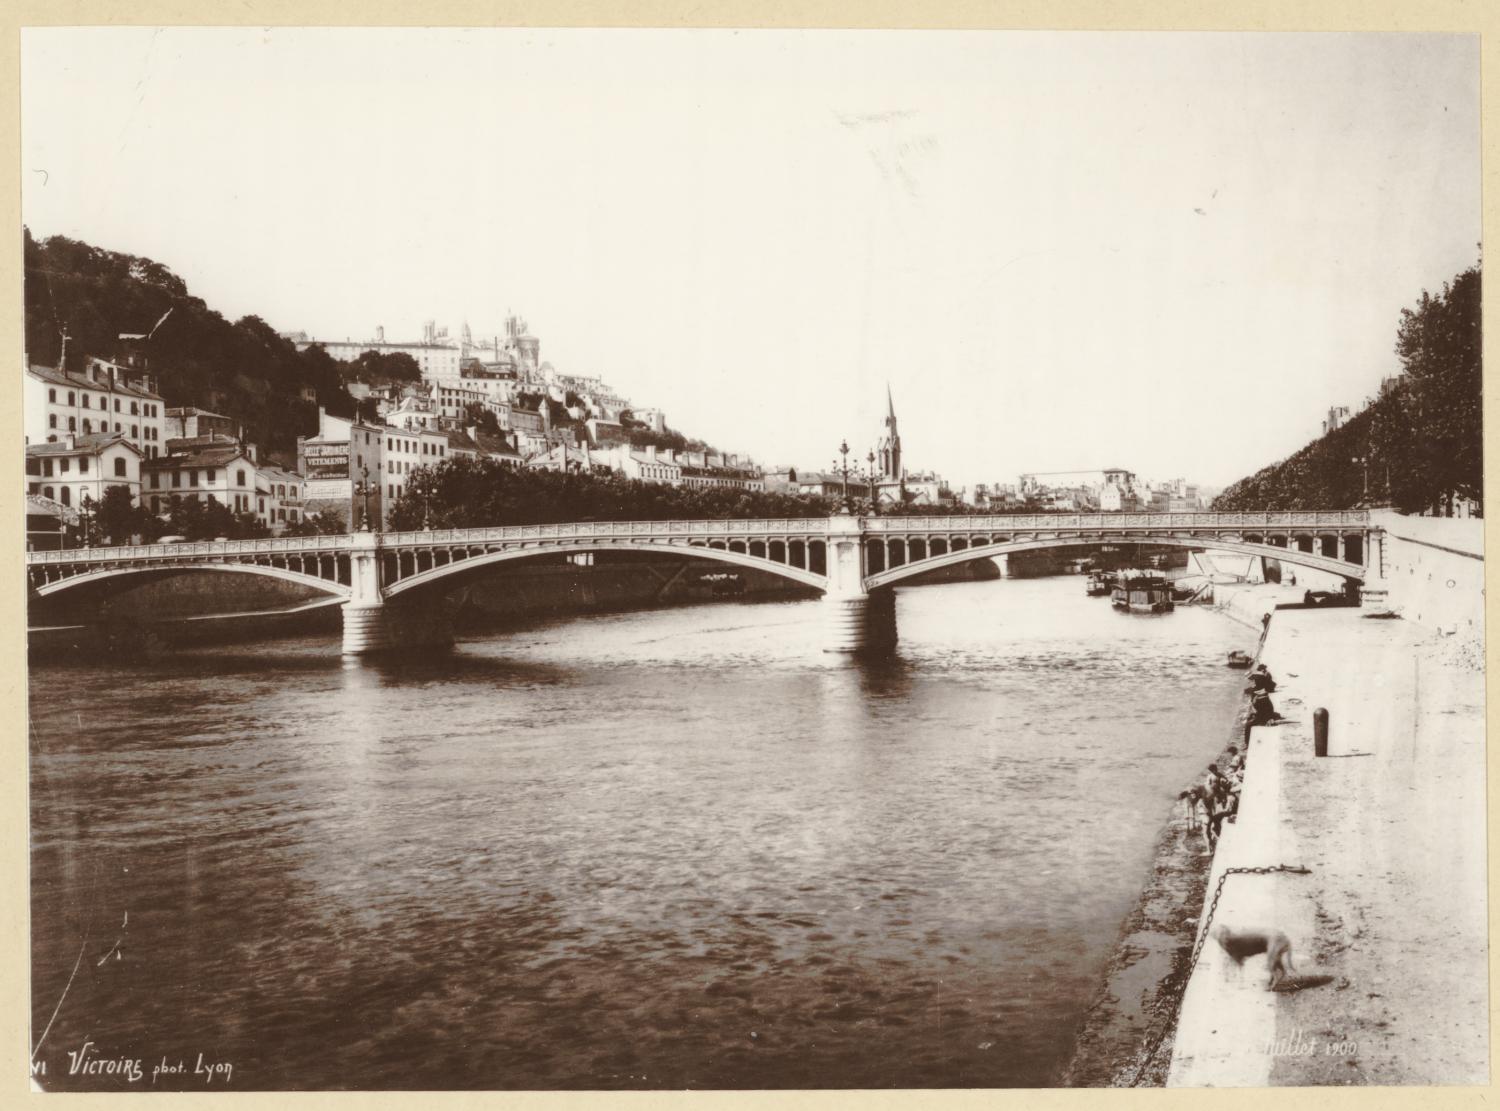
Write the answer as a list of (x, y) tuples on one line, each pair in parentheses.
[(670, 849)]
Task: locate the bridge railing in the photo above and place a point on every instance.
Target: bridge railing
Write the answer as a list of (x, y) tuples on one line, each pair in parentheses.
[(791, 527), (311, 545), (597, 530), (1068, 522)]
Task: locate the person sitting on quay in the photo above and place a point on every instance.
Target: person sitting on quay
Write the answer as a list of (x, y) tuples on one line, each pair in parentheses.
[(1262, 709), (1260, 679)]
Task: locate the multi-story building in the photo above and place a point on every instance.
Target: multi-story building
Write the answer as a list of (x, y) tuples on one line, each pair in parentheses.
[(435, 356), (707, 469), (343, 469), (104, 399), (217, 472), (641, 464), (75, 467), (452, 402), (927, 488), (406, 452), (823, 485), (278, 498), (187, 422)]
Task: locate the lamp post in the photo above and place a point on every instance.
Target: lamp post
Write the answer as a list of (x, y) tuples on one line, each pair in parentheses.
[(842, 467), (870, 478), (1364, 461), (86, 510), (362, 489)]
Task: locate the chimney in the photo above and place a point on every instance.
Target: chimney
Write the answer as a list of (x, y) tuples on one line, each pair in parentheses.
[(380, 333), (650, 452)]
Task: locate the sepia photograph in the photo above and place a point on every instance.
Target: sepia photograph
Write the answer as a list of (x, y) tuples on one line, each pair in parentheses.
[(701, 559)]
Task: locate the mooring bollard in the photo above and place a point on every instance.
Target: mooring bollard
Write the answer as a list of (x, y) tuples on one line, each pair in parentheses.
[(1320, 732)]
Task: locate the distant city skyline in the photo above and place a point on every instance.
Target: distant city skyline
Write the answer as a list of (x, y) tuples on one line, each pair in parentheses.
[(1172, 253)]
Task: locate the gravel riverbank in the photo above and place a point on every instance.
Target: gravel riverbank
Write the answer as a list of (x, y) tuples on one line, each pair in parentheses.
[(1125, 1038)]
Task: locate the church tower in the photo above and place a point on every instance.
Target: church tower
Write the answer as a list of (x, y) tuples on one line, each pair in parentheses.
[(890, 443)]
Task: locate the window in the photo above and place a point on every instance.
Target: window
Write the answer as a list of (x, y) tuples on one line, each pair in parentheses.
[(192, 478), (67, 496), (155, 503), (176, 481), (156, 480), (208, 476), (62, 464), (52, 396), (70, 397), (52, 421), (85, 401), (72, 424), (117, 406), (134, 411), (120, 467), (83, 464), (135, 430), (87, 427), (239, 478), (117, 426)]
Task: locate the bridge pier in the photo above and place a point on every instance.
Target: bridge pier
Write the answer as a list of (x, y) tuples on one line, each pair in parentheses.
[(854, 619), (864, 623), (365, 629)]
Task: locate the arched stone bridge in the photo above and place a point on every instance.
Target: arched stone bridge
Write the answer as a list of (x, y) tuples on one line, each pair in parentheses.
[(854, 560)]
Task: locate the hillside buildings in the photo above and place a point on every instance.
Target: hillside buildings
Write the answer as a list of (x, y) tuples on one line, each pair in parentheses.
[(107, 398)]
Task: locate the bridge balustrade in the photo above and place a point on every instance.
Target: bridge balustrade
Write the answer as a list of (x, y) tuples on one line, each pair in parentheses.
[(852, 559)]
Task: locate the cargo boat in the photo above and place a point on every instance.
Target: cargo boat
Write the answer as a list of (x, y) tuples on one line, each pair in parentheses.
[(1142, 592)]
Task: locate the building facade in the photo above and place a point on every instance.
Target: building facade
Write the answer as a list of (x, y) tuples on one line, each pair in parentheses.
[(74, 468), (104, 399)]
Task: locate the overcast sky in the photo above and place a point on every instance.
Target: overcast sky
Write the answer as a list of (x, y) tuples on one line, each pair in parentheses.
[(1166, 252)]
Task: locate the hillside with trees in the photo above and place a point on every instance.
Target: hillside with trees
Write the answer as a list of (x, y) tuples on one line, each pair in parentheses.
[(242, 369), (1418, 446), (482, 493)]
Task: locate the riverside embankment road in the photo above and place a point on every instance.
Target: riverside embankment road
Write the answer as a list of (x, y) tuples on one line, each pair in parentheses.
[(1391, 825)]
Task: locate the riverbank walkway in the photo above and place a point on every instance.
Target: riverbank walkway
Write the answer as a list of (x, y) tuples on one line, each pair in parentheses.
[(1391, 825)]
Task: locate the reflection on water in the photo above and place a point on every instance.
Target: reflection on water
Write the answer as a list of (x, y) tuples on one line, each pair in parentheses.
[(672, 849)]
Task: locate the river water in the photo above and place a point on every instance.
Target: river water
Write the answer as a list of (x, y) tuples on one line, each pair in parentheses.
[(674, 849)]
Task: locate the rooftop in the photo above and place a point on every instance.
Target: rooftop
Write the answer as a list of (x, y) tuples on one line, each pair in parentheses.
[(197, 457), (88, 444), (78, 381)]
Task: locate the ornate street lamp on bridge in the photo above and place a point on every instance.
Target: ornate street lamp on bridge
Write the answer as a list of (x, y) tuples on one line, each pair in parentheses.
[(842, 468), (86, 507), (363, 489)]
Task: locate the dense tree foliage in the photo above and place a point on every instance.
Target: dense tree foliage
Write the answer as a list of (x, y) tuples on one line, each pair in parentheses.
[(384, 369), (244, 370), (1417, 446), (117, 519), (208, 520), (468, 493), (326, 523)]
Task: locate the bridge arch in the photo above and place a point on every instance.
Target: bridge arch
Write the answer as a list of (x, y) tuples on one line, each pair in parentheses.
[(1289, 554), (103, 574), (701, 551)]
